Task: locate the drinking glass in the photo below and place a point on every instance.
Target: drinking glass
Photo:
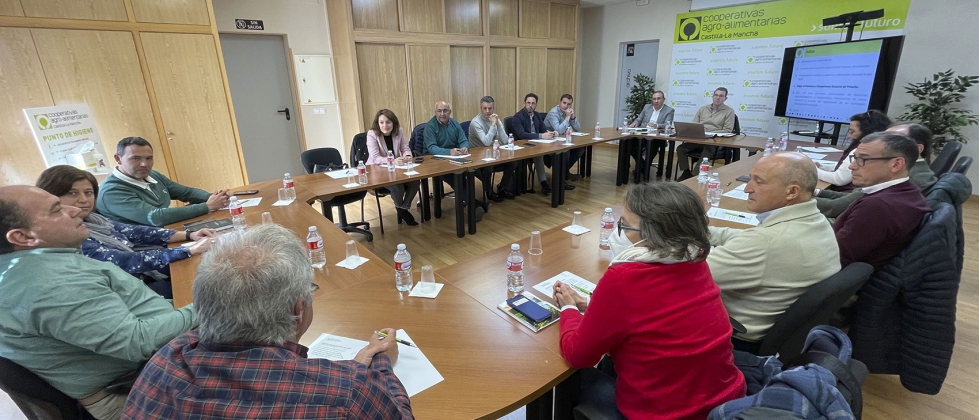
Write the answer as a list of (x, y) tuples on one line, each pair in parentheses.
[(576, 220), (428, 279), (535, 244), (283, 194), (352, 252), (266, 218)]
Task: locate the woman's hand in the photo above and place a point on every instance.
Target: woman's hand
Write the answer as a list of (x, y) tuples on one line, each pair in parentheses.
[(200, 246), (203, 233), (566, 295)]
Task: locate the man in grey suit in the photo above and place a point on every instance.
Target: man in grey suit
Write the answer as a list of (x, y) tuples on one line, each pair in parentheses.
[(657, 113)]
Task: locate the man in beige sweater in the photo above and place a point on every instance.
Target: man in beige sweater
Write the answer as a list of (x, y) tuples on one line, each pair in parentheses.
[(716, 118), (762, 270)]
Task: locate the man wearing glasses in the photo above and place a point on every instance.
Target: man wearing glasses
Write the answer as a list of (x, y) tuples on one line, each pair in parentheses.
[(717, 118), (879, 225), (763, 270)]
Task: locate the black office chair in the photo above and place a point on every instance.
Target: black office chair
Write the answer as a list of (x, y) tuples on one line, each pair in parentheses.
[(360, 153), (35, 397), (816, 306), (328, 156), (946, 158), (417, 140), (528, 163), (962, 165), (724, 153), (465, 127)]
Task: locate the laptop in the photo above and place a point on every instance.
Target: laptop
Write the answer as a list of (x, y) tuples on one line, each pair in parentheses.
[(692, 130)]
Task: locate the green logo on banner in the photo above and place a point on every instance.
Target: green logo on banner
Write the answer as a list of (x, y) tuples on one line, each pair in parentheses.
[(676, 83), (747, 83), (42, 121), (798, 43), (678, 61), (782, 121), (751, 60), (713, 49), (710, 72), (689, 29), (707, 94), (799, 52), (672, 103), (742, 107)]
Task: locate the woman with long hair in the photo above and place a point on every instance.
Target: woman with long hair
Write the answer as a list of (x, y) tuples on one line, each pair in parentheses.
[(386, 135)]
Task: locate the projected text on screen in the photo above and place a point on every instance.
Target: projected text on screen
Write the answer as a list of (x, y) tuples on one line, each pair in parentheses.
[(832, 82)]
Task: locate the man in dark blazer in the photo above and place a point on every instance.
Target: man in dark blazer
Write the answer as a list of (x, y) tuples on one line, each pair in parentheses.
[(655, 112), (529, 125)]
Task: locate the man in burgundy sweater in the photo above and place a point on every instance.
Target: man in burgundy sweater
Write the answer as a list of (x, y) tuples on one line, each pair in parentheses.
[(878, 226)]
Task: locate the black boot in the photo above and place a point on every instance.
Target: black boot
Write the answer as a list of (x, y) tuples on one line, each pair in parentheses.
[(406, 217)]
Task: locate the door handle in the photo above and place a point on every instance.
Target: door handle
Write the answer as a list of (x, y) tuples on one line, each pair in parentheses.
[(286, 111)]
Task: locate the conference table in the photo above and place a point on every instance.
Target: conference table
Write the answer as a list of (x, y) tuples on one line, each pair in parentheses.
[(491, 364)]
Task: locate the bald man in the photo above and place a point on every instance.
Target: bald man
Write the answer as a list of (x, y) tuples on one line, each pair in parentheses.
[(762, 270), (444, 136), (78, 323)]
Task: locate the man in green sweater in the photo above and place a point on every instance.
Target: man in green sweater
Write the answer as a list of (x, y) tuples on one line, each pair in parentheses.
[(78, 323), (137, 194)]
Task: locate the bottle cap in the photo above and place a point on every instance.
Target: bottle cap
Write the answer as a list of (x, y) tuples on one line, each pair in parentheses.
[(312, 228), (515, 247), (715, 174), (287, 175), (401, 247), (233, 198), (608, 209)]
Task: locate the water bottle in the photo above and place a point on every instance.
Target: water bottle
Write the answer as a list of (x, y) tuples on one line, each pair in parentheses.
[(769, 145), (704, 174), (514, 267), (714, 190), (509, 141), (402, 269), (608, 224), (314, 244), (237, 214), (289, 185), (496, 149), (783, 142), (390, 161), (625, 126), (567, 136), (598, 130), (361, 173), (670, 132)]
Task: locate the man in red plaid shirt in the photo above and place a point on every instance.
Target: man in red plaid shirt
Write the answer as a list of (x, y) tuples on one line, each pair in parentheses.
[(254, 301)]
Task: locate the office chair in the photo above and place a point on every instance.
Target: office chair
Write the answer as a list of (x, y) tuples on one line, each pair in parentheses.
[(360, 153), (946, 158), (326, 156), (528, 184), (816, 306), (724, 153), (962, 165), (35, 397)]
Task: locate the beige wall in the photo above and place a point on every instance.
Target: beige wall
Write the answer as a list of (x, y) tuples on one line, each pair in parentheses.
[(304, 25)]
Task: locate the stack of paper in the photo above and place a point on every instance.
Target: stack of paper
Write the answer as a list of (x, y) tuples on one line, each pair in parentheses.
[(737, 193), (732, 216), (584, 287)]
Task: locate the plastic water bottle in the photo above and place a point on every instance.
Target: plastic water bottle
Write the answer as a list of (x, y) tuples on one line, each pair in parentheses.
[(361, 173), (625, 126), (390, 161), (514, 266), (670, 132), (769, 145), (783, 142), (714, 191), (608, 224), (402, 269), (237, 214), (289, 185), (567, 136), (314, 244), (704, 174), (496, 149)]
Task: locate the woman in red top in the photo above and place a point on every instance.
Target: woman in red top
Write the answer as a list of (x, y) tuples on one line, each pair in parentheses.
[(657, 312)]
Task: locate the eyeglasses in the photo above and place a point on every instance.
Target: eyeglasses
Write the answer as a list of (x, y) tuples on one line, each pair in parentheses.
[(720, 96), (861, 161), (443, 111), (622, 226)]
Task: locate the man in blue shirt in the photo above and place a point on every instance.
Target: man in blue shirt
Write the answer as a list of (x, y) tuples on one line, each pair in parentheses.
[(559, 119)]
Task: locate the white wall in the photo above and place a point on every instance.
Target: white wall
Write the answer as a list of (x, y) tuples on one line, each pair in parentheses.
[(940, 35), (304, 25)]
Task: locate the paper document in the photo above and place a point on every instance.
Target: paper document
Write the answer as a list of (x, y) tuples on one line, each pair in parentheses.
[(351, 185), (405, 166), (410, 173), (737, 193), (352, 262), (413, 369), (711, 133), (820, 149), (248, 202), (282, 203), (341, 173), (576, 230), (453, 157), (543, 140), (814, 156), (732, 216), (828, 165), (577, 134), (582, 286), (509, 147)]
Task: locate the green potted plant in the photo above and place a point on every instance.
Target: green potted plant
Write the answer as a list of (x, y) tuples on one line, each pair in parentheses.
[(642, 88), (935, 107)]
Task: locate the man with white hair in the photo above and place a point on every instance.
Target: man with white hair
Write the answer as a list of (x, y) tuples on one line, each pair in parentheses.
[(254, 300)]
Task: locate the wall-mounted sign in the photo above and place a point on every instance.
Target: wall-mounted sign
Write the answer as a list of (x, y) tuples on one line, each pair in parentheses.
[(250, 24), (67, 135)]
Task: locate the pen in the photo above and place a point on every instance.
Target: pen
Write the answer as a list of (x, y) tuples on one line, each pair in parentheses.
[(734, 214), (383, 335), (581, 289), (728, 184)]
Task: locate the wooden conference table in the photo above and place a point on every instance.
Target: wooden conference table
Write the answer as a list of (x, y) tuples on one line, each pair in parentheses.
[(491, 364)]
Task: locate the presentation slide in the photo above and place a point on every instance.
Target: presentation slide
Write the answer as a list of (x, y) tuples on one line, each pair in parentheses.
[(833, 82)]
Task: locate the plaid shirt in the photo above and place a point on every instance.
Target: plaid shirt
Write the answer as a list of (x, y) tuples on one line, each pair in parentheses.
[(189, 380)]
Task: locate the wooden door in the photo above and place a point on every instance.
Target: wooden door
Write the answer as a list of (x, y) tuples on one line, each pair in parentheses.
[(193, 101)]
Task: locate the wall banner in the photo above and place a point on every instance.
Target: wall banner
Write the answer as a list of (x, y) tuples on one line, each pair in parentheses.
[(66, 135), (741, 48)]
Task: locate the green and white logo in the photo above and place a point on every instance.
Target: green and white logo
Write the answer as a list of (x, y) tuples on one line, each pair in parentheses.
[(747, 83), (710, 72), (743, 107), (672, 103), (782, 121), (713, 49), (751, 60), (678, 61), (42, 121), (799, 52), (707, 94), (676, 83)]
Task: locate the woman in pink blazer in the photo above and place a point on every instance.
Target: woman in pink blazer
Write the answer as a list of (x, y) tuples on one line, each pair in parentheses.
[(386, 134)]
